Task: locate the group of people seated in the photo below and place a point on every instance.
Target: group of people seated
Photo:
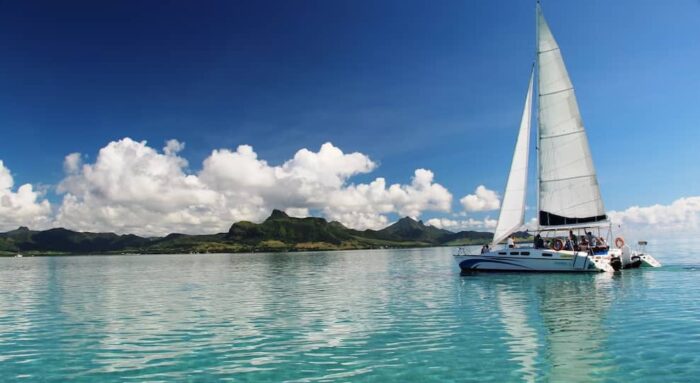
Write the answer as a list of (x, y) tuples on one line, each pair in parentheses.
[(584, 243), (587, 242)]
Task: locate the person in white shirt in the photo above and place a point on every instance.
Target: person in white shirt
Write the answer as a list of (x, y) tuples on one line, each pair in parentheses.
[(511, 243), (592, 242)]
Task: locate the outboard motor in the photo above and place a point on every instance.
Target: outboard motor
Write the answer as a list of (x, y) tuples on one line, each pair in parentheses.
[(616, 263)]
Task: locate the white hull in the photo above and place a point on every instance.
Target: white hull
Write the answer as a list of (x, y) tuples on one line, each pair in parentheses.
[(530, 259), (636, 259), (644, 260), (649, 261)]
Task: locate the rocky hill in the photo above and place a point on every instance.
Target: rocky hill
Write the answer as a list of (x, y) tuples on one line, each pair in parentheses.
[(279, 232)]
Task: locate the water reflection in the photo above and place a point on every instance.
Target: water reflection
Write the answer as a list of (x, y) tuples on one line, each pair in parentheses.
[(553, 324), (523, 341), (375, 315)]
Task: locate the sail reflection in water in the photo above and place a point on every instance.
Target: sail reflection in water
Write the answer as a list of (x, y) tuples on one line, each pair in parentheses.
[(553, 324)]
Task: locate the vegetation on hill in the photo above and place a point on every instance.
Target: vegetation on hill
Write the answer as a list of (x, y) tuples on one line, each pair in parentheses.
[(279, 232)]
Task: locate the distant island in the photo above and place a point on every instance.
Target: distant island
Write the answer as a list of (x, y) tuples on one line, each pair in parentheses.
[(279, 232)]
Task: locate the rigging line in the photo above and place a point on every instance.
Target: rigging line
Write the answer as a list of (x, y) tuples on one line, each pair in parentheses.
[(562, 134), (584, 203), (556, 91), (567, 179), (548, 50)]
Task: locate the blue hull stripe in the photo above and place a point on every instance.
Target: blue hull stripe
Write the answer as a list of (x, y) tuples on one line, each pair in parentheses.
[(474, 264)]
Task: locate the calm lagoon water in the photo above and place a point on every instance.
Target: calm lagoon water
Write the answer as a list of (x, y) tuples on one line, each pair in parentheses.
[(390, 315)]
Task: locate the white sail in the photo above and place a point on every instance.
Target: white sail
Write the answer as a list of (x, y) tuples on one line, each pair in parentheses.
[(568, 187), (512, 215)]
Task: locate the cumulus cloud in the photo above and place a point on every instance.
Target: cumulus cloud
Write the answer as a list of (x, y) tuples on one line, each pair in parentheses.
[(680, 217), (173, 146), (132, 187), (72, 163), (298, 212), (362, 206), (487, 224), (24, 207), (483, 199)]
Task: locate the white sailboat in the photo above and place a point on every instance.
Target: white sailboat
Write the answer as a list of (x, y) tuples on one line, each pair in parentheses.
[(569, 198)]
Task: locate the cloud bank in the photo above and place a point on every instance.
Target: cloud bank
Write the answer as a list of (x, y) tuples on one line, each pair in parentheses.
[(24, 207), (486, 224), (679, 218), (134, 188)]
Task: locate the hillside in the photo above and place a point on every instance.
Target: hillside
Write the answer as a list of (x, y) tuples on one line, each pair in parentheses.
[(279, 232), (408, 229), (279, 226)]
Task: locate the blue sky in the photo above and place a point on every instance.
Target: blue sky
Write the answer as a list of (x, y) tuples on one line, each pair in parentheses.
[(411, 84)]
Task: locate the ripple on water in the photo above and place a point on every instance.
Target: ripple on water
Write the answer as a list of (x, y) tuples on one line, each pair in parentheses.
[(359, 315)]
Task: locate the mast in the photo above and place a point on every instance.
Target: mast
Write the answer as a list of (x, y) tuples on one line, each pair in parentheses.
[(537, 127)]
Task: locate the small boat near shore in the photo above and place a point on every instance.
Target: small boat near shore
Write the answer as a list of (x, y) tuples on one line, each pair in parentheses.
[(570, 207)]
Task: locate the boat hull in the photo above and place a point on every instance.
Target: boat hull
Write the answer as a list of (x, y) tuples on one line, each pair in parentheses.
[(636, 259), (534, 260), (644, 260)]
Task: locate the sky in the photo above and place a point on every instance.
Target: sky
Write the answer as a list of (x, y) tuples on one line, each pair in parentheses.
[(154, 117)]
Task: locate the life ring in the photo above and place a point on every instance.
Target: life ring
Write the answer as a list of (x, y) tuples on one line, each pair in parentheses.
[(557, 245), (619, 242)]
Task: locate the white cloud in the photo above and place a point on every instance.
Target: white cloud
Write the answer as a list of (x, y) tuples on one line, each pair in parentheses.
[(483, 199), (133, 188), (361, 206), (72, 163), (25, 207), (486, 224), (173, 147), (298, 212), (679, 218)]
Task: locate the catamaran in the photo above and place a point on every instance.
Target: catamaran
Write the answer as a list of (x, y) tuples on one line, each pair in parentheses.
[(569, 200)]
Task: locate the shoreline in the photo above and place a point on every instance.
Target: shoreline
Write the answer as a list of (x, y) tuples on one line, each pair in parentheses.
[(242, 251)]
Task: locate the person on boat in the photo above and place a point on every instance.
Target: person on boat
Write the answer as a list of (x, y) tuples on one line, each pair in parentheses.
[(568, 245), (584, 244), (593, 241), (539, 242), (590, 239), (574, 242), (602, 244), (511, 242), (485, 249)]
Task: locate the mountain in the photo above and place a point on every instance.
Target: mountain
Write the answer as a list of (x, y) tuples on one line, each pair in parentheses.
[(408, 229), (281, 227), (279, 232), (67, 241)]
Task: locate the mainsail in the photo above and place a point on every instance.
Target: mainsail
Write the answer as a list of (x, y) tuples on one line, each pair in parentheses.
[(512, 215), (568, 187)]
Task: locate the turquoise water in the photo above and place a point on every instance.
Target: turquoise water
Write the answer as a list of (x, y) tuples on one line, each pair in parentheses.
[(387, 315)]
